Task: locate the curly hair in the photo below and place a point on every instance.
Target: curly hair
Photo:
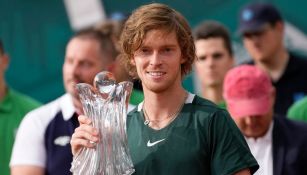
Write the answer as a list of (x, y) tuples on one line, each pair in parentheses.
[(156, 16)]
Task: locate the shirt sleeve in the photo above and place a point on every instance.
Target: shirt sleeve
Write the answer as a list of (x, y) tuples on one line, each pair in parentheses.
[(230, 152), (29, 146)]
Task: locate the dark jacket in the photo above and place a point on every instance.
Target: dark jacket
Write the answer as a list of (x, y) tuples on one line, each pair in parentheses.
[(289, 147)]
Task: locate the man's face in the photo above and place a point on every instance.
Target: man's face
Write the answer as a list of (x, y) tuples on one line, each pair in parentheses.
[(213, 61), (83, 60), (158, 61), (264, 45), (255, 125)]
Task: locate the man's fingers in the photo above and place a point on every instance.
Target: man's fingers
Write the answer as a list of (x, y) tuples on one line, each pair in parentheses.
[(87, 128), (81, 134), (84, 120)]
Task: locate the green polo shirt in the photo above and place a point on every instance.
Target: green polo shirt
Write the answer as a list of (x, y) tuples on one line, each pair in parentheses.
[(13, 108), (203, 139)]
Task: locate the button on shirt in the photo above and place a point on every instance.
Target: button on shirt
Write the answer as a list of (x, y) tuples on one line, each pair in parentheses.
[(261, 149)]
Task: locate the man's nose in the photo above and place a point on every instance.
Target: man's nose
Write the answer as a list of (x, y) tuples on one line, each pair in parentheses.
[(75, 69), (155, 59)]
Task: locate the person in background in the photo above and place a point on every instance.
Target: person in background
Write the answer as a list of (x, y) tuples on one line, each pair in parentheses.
[(214, 59), (171, 131), (42, 142), (298, 111), (278, 144), (114, 28), (13, 107), (262, 29)]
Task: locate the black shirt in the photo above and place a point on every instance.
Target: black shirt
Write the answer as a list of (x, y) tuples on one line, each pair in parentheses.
[(292, 85)]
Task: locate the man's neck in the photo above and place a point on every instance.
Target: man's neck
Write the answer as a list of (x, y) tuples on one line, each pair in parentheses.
[(276, 65), (214, 94), (160, 105)]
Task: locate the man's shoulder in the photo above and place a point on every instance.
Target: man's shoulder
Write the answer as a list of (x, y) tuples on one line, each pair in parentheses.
[(24, 100), (297, 62), (200, 104), (298, 57), (47, 111), (290, 127)]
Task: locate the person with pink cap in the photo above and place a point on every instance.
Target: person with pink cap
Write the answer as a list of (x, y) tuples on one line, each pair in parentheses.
[(278, 144)]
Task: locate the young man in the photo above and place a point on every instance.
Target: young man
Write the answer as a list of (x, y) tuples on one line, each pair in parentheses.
[(262, 29), (278, 144), (13, 107), (214, 59), (42, 143), (172, 131)]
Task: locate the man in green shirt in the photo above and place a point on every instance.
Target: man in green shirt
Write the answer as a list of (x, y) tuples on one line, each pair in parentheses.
[(13, 107), (214, 59), (171, 131)]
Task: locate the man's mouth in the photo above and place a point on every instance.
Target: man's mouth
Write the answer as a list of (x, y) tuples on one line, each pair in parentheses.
[(156, 73)]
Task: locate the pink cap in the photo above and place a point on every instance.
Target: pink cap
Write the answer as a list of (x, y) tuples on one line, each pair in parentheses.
[(247, 91)]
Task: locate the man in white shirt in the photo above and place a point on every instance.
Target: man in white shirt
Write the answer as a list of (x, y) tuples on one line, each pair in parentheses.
[(42, 142), (278, 144)]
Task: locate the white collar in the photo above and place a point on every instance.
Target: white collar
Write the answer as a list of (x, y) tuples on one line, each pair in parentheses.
[(67, 106), (187, 101)]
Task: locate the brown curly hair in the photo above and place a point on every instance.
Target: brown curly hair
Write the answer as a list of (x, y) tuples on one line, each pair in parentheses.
[(156, 16)]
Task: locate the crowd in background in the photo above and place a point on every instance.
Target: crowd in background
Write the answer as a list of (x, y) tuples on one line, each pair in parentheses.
[(265, 97)]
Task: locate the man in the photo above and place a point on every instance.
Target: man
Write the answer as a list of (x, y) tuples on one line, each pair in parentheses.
[(215, 58), (278, 144), (262, 29), (171, 131), (42, 144), (13, 107)]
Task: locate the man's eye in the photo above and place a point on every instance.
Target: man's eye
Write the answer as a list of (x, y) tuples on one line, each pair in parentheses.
[(217, 56), (202, 58), (145, 50), (167, 50), (86, 64)]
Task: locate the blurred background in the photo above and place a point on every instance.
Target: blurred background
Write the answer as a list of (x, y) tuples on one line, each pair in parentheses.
[(35, 32)]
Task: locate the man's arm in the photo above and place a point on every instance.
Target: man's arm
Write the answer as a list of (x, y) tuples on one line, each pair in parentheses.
[(243, 172), (27, 170)]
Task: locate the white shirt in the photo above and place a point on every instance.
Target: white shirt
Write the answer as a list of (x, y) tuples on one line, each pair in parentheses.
[(262, 151), (29, 148)]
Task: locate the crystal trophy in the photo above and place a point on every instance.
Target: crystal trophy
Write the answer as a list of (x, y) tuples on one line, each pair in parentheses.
[(106, 105)]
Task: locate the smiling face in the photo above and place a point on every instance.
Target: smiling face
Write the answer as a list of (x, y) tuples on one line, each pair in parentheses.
[(83, 60), (213, 61), (158, 61)]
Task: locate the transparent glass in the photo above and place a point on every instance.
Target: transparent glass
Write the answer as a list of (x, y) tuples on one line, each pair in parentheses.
[(106, 105)]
